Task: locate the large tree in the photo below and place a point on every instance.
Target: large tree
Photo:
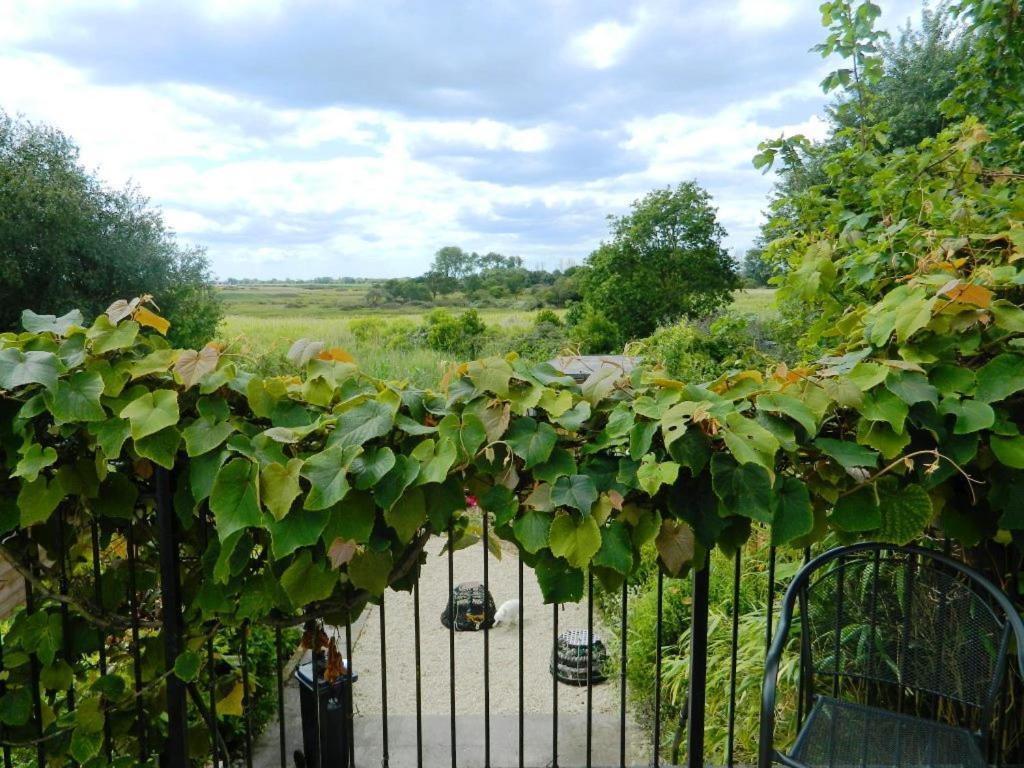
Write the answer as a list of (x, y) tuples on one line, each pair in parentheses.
[(68, 241), (664, 261)]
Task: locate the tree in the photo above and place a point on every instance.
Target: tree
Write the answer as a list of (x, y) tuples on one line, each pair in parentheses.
[(68, 241), (664, 261), (757, 270)]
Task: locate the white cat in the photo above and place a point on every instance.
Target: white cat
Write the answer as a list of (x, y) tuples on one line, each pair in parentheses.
[(508, 614)]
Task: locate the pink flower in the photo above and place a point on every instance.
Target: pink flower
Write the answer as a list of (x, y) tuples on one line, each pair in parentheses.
[(470, 500)]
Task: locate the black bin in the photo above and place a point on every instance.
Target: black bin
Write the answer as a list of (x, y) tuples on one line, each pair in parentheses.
[(335, 700)]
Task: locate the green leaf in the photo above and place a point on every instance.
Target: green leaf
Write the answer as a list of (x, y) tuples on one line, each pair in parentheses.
[(77, 398), (906, 512), (443, 500), (394, 483), (15, 707), (59, 326), (559, 464), (575, 540), (742, 489), (362, 423), (793, 514), (848, 454), (912, 387), (408, 514), (559, 582), (107, 337), (691, 450), (370, 570), (575, 417), (748, 441), (37, 500), (789, 406), (279, 486), (351, 519), (532, 531), (301, 528), (651, 474), (371, 466), (161, 448), (326, 473), (116, 498), (187, 665), (19, 368), (501, 502), (640, 438), (436, 468), (1000, 377), (110, 435), (531, 441), (491, 374), (971, 415), (151, 412), (858, 511), (882, 405), (204, 434), (676, 546), (33, 461), (576, 491), (1009, 450), (616, 550), (233, 499), (307, 580), (952, 380)]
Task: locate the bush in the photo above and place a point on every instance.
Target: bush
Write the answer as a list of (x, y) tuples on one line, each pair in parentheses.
[(461, 335), (67, 241), (592, 330), (690, 353)]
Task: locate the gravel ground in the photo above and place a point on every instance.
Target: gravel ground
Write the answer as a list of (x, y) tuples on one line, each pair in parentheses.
[(469, 650)]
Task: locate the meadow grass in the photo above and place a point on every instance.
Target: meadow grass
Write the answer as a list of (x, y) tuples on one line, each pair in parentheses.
[(755, 301)]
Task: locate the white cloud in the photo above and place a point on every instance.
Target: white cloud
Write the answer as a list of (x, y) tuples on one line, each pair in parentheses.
[(602, 45)]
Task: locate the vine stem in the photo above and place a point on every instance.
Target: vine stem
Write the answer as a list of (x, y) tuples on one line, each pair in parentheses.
[(971, 482), (84, 609)]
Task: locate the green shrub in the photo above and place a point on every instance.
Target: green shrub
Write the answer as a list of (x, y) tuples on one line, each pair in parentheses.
[(461, 335)]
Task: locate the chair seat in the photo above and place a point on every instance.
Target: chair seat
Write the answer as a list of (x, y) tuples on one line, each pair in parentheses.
[(841, 734)]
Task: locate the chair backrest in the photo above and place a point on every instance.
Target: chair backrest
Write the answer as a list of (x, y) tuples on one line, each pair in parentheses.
[(907, 619)]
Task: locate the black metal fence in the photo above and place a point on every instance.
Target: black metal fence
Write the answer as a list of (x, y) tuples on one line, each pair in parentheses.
[(165, 740)]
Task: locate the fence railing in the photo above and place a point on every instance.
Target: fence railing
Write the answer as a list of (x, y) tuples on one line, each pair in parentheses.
[(233, 738)]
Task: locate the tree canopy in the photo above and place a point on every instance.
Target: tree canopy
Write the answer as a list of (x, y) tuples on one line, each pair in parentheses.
[(68, 241), (664, 261)]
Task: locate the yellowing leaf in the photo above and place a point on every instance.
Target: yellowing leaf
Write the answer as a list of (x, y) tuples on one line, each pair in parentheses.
[(967, 293), (121, 309), (145, 317), (232, 703), (337, 354), (192, 365)]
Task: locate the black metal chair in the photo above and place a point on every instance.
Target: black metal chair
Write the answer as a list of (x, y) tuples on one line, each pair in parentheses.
[(896, 643)]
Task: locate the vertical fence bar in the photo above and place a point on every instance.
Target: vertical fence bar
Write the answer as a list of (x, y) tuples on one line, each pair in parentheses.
[(730, 741), (590, 667), (451, 637), (279, 674), (554, 687), (33, 659), (520, 628), (659, 613), (419, 682), (698, 665), (133, 602), (176, 754), (622, 674), (487, 647), (212, 694), (246, 697), (313, 627), (350, 725), (771, 599), (3, 690), (385, 758), (94, 532), (62, 588)]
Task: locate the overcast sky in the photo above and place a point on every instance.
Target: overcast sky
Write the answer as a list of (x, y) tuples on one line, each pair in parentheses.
[(356, 138)]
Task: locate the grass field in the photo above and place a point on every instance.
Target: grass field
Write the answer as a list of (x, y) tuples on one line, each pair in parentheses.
[(262, 321)]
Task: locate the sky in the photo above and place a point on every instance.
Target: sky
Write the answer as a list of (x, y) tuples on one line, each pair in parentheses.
[(299, 138)]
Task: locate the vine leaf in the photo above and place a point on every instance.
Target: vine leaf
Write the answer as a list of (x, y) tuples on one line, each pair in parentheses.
[(676, 546), (652, 474), (793, 516), (279, 486), (576, 491), (191, 366), (33, 461), (905, 511), (59, 326), (616, 550), (234, 499), (407, 514), (858, 511), (575, 540), (19, 368), (532, 531), (307, 580), (370, 570), (326, 473), (531, 441), (849, 455), (151, 412), (38, 499)]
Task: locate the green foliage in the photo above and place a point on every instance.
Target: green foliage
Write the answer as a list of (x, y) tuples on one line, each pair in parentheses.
[(67, 241), (664, 261), (461, 335)]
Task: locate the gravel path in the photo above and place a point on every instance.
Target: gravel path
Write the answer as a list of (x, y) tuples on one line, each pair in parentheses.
[(469, 688)]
